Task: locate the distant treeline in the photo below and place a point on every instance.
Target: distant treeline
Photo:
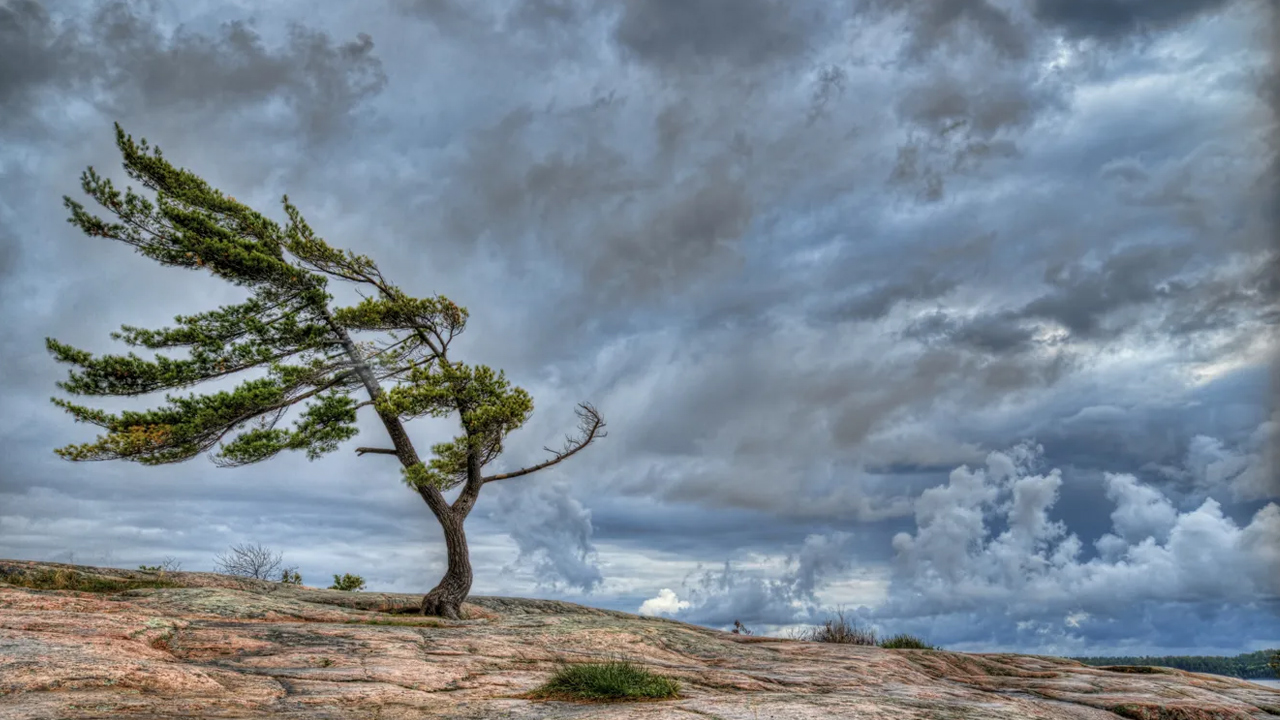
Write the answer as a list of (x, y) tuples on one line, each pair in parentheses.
[(1247, 666)]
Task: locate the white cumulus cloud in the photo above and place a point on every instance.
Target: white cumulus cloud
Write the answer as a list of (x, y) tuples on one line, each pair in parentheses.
[(666, 603)]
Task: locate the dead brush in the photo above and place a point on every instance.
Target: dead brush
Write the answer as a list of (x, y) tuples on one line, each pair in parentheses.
[(839, 629)]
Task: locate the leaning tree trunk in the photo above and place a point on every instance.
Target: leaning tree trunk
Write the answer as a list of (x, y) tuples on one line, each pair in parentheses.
[(445, 599)]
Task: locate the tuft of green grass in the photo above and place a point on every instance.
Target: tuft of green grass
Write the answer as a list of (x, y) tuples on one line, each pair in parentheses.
[(606, 681), (905, 642), (64, 579)]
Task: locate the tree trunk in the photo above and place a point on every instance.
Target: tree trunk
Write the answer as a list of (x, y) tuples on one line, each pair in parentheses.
[(445, 599)]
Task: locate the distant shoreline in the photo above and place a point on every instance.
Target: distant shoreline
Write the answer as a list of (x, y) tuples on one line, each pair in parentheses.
[(1246, 666)]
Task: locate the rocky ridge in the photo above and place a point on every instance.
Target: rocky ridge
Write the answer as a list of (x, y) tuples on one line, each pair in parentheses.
[(86, 642)]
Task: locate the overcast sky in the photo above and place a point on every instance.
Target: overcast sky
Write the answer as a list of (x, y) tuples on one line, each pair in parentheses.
[(957, 315)]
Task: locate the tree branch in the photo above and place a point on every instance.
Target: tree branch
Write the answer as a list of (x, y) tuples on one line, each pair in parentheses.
[(376, 451), (591, 426)]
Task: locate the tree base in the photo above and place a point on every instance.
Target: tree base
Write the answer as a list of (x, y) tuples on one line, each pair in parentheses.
[(439, 606)]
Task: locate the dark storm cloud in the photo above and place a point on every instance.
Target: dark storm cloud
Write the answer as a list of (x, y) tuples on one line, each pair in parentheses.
[(995, 334), (1081, 297), (873, 303), (618, 220), (679, 212), (35, 54), (1118, 19), (942, 24), (119, 58), (688, 35)]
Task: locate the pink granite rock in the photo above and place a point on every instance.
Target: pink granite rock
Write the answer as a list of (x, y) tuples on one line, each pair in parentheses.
[(212, 646)]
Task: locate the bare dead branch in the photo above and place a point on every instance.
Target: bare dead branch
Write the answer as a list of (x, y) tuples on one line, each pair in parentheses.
[(253, 561), (591, 427), (375, 451)]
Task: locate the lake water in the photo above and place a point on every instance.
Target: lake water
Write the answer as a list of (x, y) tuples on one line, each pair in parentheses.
[(1269, 682)]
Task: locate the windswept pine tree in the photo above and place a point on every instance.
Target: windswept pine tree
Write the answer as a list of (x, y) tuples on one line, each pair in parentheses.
[(305, 351)]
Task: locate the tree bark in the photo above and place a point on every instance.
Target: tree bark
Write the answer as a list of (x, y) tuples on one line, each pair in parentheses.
[(445, 599)]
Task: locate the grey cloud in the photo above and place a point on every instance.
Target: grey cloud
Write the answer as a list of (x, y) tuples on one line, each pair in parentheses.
[(874, 302), (954, 561), (1082, 297), (119, 51), (450, 16), (995, 333), (1141, 512), (691, 34), (764, 415), (553, 532), (702, 244), (35, 53), (1244, 472), (945, 102), (940, 24), (966, 114), (1118, 19), (718, 598), (629, 227)]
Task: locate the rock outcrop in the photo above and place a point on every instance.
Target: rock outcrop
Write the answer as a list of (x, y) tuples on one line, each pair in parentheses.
[(83, 642)]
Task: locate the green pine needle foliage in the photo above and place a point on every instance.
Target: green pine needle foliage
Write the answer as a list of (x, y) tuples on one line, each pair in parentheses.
[(297, 347), (347, 582)]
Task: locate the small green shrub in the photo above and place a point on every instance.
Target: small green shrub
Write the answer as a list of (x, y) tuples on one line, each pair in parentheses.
[(290, 576), (347, 582), (606, 681), (905, 642), (840, 629)]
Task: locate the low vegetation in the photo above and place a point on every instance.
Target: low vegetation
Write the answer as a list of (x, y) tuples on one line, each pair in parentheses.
[(843, 630), (905, 642), (839, 629), (347, 582), (66, 579), (256, 561), (1261, 664), (606, 681), (169, 564)]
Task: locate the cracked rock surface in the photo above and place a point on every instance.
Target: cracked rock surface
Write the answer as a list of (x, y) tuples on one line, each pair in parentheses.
[(151, 645)]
